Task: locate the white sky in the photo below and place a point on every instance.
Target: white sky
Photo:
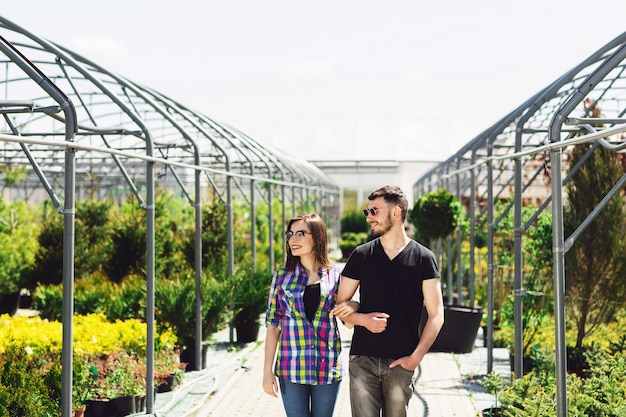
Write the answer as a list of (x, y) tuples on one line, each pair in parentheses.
[(340, 79)]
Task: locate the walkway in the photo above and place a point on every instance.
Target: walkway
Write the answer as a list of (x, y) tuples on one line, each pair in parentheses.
[(446, 384)]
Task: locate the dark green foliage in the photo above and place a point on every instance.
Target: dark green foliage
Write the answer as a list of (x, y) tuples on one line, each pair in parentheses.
[(18, 242), (130, 299), (214, 237), (595, 265), (601, 394), (129, 243), (353, 221), (250, 292), (436, 214), (27, 388), (93, 236), (349, 241), (354, 232), (48, 300), (95, 294), (175, 304), (48, 266)]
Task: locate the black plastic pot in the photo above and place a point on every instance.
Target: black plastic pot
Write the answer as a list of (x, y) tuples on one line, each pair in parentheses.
[(124, 405), (459, 330), (99, 408), (491, 412), (9, 303), (188, 356), (247, 332)]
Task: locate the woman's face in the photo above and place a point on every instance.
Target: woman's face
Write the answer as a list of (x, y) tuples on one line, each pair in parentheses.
[(300, 239)]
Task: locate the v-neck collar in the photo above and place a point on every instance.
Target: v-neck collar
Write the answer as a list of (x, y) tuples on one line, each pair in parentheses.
[(398, 255)]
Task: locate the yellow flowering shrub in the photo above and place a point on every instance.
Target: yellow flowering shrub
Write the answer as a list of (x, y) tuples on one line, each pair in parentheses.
[(93, 335)]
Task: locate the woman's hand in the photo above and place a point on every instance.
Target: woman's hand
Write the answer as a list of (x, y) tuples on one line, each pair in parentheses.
[(270, 384), (344, 309)]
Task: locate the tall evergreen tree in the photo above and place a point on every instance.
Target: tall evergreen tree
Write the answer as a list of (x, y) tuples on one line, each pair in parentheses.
[(595, 265)]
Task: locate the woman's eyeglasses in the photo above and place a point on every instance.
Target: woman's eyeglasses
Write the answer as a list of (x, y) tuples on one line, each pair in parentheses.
[(371, 211), (298, 234)]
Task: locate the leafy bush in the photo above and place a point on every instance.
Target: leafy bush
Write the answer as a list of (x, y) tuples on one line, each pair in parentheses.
[(436, 214), (353, 221), (30, 361), (95, 294), (175, 304), (599, 395), (18, 244), (493, 383), (24, 380), (351, 240), (250, 288)]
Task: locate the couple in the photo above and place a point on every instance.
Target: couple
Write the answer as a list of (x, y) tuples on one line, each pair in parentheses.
[(395, 276)]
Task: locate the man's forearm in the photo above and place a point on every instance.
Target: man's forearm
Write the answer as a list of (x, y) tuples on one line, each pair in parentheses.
[(429, 334)]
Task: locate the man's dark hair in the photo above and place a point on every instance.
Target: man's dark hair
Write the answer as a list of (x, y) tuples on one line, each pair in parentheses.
[(393, 196)]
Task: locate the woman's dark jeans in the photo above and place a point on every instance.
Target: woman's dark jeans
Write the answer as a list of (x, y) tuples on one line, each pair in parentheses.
[(302, 400)]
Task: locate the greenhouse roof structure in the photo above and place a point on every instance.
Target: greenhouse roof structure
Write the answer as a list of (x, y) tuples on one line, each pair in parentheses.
[(519, 160), (131, 121), (78, 131)]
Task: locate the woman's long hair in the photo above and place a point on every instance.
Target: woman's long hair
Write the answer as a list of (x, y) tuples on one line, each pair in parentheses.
[(320, 241)]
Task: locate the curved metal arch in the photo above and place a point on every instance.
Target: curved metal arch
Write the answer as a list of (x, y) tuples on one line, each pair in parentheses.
[(536, 137), (130, 120)]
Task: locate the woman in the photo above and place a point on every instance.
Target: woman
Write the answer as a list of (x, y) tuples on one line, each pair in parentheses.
[(300, 325)]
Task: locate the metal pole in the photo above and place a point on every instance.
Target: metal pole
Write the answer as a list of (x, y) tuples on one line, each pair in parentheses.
[(149, 278), (518, 307), (270, 209), (490, 258), (198, 262), (559, 283)]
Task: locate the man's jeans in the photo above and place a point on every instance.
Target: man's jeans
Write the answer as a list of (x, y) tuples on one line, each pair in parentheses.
[(374, 386), (301, 400)]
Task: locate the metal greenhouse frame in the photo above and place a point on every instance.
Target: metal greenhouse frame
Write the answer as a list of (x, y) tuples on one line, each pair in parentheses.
[(511, 158), (86, 131)]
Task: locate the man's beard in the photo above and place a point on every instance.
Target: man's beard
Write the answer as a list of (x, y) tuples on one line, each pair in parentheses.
[(382, 228)]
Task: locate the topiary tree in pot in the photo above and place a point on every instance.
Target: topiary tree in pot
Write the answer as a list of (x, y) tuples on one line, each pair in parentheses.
[(175, 301), (435, 216), (250, 288), (493, 383)]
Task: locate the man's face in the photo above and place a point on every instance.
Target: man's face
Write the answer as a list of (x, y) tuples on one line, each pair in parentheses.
[(380, 223)]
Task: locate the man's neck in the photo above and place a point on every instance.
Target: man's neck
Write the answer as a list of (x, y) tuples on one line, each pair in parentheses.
[(394, 240)]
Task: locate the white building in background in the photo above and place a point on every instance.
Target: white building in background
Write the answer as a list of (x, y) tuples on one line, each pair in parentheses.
[(358, 178)]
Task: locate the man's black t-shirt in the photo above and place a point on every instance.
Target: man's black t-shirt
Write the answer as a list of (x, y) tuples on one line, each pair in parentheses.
[(393, 287)]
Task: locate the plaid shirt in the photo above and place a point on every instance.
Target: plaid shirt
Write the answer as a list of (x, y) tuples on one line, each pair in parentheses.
[(308, 352)]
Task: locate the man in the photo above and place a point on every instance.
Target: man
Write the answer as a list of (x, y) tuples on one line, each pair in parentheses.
[(395, 276)]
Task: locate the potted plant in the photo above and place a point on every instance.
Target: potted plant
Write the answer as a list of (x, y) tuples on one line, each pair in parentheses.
[(176, 310), (168, 370), (493, 383), (18, 245), (250, 292), (84, 376), (435, 216)]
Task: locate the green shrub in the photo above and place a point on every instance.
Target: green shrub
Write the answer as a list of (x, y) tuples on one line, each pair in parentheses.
[(436, 214), (601, 394), (251, 289), (353, 221), (23, 385), (175, 305), (349, 241), (18, 244), (48, 301)]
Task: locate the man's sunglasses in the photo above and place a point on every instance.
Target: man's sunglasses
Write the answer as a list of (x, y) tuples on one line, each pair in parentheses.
[(371, 211)]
